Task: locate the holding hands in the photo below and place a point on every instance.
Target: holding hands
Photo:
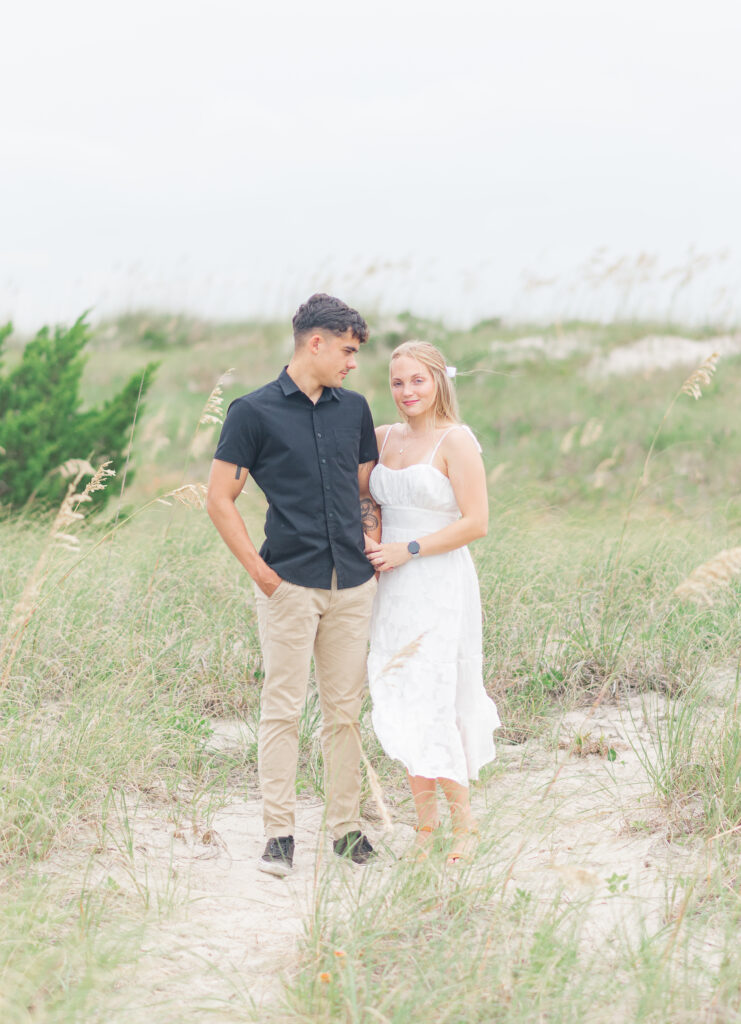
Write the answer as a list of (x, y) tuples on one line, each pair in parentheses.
[(384, 557)]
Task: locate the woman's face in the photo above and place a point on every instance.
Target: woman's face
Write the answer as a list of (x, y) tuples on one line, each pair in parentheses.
[(412, 386)]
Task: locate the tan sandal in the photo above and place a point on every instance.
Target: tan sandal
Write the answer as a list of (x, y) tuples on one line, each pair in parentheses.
[(464, 847), (419, 851)]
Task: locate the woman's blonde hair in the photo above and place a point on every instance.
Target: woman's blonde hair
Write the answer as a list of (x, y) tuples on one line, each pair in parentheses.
[(446, 403)]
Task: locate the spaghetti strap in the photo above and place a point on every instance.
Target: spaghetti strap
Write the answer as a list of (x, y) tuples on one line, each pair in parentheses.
[(384, 441), (461, 426), (434, 450), (471, 433)]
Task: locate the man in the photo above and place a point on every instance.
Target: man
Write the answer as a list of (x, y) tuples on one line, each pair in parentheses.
[(310, 446)]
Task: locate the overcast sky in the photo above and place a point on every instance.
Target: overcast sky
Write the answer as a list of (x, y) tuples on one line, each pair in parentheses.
[(229, 157)]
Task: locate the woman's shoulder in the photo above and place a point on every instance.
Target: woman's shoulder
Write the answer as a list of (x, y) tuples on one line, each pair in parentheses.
[(459, 439), (383, 430)]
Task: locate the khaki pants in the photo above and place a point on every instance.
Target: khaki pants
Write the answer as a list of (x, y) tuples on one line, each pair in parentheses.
[(333, 625)]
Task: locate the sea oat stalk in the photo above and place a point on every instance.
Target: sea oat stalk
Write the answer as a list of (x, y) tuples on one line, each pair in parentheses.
[(701, 376), (403, 655), (59, 536), (191, 495), (211, 415), (396, 662), (213, 410)]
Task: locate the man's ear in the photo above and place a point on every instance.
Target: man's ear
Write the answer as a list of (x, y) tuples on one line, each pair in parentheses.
[(315, 343)]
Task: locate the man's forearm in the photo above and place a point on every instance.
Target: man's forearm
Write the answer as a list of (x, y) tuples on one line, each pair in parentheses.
[(227, 520), (370, 515)]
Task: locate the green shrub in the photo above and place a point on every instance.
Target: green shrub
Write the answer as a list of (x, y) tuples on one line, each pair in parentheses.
[(42, 425)]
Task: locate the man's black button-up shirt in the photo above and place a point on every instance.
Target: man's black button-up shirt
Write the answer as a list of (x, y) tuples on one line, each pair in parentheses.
[(305, 459)]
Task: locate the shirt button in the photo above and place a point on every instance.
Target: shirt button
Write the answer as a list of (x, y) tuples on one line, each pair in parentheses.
[(318, 434), (324, 460), (331, 514)]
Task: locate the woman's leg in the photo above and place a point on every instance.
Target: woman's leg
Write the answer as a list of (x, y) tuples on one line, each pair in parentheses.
[(425, 801), (465, 826), (428, 817), (461, 815)]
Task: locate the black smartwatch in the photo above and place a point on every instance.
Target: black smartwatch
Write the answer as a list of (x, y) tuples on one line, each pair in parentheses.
[(413, 548)]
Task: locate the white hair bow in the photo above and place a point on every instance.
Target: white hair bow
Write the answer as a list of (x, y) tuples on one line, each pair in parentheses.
[(450, 370)]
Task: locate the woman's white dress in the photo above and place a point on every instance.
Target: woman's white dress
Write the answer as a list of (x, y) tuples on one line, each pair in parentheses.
[(430, 708)]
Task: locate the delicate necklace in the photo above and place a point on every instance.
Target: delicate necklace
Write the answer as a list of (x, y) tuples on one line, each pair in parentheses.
[(404, 447)]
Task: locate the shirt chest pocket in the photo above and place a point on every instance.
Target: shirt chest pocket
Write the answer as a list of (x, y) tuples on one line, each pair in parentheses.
[(346, 447)]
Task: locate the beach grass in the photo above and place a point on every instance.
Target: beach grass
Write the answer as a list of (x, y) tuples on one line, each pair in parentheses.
[(142, 638)]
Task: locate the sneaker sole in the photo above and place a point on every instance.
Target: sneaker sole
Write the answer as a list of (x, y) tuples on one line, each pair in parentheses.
[(275, 867), (359, 863)]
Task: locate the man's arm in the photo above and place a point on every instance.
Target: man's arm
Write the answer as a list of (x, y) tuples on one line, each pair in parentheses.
[(225, 484), (370, 512)]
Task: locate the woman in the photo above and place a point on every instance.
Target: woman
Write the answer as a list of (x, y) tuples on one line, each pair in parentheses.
[(430, 709)]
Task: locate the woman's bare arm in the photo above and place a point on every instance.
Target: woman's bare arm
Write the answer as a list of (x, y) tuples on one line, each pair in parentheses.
[(465, 470)]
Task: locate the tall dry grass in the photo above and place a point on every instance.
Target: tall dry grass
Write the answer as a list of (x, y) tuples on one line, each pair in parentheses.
[(68, 515), (133, 649)]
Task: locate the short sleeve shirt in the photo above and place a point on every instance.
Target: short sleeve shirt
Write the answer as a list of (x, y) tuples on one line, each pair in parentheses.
[(305, 458)]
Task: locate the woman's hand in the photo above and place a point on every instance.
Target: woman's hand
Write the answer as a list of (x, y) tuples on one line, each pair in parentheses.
[(385, 557)]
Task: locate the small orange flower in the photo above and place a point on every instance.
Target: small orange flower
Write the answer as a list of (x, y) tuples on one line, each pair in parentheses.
[(324, 976), (340, 954)]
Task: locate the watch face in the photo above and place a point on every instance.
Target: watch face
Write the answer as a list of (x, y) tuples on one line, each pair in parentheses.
[(413, 547)]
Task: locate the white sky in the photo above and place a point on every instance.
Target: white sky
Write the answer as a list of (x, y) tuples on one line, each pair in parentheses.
[(230, 157)]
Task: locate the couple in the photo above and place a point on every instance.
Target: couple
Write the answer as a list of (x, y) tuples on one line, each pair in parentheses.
[(341, 516)]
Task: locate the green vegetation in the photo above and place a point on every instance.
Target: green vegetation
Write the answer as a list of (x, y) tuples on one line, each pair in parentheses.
[(422, 946), (40, 419), (123, 656)]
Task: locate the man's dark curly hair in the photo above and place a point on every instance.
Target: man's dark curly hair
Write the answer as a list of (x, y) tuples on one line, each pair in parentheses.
[(326, 313)]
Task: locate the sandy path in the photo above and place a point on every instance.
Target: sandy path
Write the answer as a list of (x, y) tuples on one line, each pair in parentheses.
[(590, 831), (227, 931)]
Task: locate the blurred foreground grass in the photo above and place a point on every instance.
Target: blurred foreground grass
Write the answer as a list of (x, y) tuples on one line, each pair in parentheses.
[(124, 667)]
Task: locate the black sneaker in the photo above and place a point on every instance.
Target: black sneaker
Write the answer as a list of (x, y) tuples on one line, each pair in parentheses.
[(278, 857), (354, 846)]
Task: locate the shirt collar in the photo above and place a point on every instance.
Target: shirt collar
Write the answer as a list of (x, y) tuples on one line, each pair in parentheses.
[(290, 387)]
